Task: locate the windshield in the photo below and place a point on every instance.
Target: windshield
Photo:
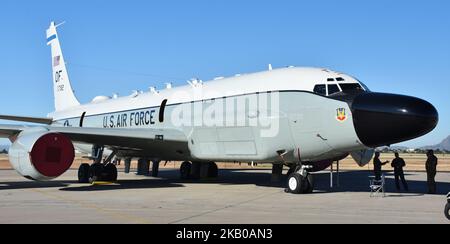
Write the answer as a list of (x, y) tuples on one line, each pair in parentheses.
[(364, 85), (333, 89), (351, 87)]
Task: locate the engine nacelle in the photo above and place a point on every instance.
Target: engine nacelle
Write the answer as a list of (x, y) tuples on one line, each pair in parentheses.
[(40, 155)]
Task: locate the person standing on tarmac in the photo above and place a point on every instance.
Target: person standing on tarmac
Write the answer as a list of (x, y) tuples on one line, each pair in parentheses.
[(431, 166), (377, 166), (398, 164)]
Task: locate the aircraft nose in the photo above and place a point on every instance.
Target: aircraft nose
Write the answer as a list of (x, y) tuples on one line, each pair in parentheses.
[(384, 119)]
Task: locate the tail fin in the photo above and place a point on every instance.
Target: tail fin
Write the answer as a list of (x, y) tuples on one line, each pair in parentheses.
[(64, 96)]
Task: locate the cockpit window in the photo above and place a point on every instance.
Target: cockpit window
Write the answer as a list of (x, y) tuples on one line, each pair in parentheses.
[(365, 87), (340, 79), (320, 89), (332, 89), (351, 87)]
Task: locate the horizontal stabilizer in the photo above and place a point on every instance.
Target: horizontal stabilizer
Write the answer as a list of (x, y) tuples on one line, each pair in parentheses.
[(45, 121)]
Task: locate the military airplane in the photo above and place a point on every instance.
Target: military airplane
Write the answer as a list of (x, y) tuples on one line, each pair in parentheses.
[(300, 117)]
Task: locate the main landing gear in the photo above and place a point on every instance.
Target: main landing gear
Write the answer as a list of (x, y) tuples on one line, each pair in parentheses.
[(300, 181), (198, 170), (98, 171)]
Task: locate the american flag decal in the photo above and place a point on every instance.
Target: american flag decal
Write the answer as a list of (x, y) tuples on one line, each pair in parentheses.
[(56, 61)]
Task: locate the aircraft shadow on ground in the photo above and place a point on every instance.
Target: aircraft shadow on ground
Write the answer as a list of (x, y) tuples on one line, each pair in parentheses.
[(33, 185), (359, 181), (350, 181), (153, 183)]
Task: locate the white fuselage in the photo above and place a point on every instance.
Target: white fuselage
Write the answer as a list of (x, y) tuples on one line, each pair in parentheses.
[(289, 121)]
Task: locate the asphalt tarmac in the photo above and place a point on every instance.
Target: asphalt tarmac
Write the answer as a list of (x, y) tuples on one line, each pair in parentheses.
[(236, 197)]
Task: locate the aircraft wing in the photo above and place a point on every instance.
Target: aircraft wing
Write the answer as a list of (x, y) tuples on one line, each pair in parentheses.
[(124, 138), (7, 131), (160, 142), (45, 121)]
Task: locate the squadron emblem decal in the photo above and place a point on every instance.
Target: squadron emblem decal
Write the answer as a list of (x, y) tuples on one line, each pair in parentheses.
[(341, 115)]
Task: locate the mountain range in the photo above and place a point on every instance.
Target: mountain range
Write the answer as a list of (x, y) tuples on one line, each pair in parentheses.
[(4, 147), (444, 145)]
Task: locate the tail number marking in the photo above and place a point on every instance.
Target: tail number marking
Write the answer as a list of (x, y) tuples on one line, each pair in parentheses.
[(58, 78)]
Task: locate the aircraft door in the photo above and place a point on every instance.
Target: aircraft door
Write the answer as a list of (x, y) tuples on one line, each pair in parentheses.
[(308, 131)]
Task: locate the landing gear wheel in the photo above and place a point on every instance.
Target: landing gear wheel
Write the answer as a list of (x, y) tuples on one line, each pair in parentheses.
[(110, 172), (295, 183), (447, 211), (309, 184), (213, 170), (196, 170), (83, 173), (185, 170), (95, 172)]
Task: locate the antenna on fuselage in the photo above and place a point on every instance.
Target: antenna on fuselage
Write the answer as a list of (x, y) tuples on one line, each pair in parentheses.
[(270, 67), (153, 90), (195, 82), (60, 24)]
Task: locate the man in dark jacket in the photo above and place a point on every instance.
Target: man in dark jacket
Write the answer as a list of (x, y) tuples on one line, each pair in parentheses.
[(377, 165), (398, 164), (431, 166)]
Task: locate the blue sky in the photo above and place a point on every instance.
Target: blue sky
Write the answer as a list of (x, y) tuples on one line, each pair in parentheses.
[(118, 46)]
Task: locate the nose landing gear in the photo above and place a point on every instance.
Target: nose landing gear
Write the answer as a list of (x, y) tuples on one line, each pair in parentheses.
[(300, 181)]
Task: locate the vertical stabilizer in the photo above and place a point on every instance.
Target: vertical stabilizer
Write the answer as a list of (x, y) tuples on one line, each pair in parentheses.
[(64, 96)]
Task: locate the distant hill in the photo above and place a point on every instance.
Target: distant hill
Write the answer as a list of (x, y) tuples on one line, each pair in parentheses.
[(444, 145), (3, 148), (392, 148)]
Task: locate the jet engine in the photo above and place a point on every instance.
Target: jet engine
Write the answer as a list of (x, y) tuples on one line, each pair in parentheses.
[(40, 155)]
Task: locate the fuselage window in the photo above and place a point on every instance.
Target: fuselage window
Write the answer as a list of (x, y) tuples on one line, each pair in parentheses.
[(332, 89), (162, 110), (351, 87), (320, 89)]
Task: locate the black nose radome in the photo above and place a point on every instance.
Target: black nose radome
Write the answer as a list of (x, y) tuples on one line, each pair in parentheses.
[(385, 119)]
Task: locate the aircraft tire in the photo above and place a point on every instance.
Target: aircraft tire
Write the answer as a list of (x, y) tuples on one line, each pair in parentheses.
[(213, 170), (110, 172), (447, 211), (309, 184), (185, 170), (95, 172), (83, 173), (196, 170), (295, 183)]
